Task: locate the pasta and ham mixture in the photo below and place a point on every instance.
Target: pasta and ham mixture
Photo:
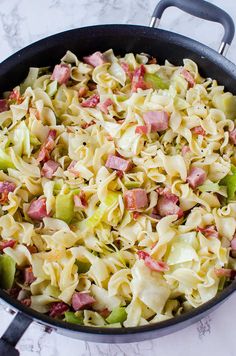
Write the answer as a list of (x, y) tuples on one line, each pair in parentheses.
[(117, 189)]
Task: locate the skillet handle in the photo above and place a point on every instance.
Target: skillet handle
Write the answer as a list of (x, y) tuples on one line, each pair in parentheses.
[(202, 9), (13, 334)]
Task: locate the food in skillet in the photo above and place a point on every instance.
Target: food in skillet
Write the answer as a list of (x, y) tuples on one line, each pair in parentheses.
[(117, 189)]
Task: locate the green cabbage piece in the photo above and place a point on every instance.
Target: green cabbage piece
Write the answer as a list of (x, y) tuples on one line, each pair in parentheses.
[(155, 81), (83, 267), (74, 318), (209, 186), (30, 79), (52, 88), (97, 216), (21, 140), (7, 271), (118, 315), (65, 207), (5, 160), (230, 182), (227, 103)]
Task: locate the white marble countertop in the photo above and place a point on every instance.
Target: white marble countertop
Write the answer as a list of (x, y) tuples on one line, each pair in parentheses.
[(23, 22)]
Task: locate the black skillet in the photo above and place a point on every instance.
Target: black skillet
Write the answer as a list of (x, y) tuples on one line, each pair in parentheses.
[(123, 39)]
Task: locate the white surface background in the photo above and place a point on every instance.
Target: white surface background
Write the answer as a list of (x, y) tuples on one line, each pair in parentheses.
[(23, 22)]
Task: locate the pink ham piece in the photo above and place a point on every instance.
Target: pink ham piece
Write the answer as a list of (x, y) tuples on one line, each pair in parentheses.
[(26, 302), (58, 309), (225, 272), (81, 300), (7, 186), (127, 70), (105, 105), (91, 102), (9, 243), (47, 147), (80, 200), (153, 265), (82, 92), (15, 96), (71, 169), (185, 150), (61, 73), (209, 231), (233, 243), (49, 168), (232, 136), (3, 105), (135, 199), (196, 177), (96, 59), (143, 130), (37, 209), (117, 163), (29, 276), (157, 120), (188, 77), (138, 79), (233, 247), (198, 130), (167, 204)]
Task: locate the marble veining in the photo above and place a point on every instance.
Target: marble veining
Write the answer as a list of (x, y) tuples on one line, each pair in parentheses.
[(23, 22)]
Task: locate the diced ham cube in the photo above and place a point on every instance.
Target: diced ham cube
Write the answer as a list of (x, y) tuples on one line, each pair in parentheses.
[(58, 309), (185, 150), (32, 248), (3, 105), (7, 243), (37, 209), (136, 215), (167, 204), (198, 130), (26, 302), (152, 60), (196, 177), (61, 73), (138, 79), (209, 231), (81, 300), (5, 188), (82, 92), (127, 70), (232, 136), (188, 77), (29, 276), (15, 96), (8, 186), (118, 163), (71, 169), (120, 174), (143, 130), (80, 200), (104, 313), (49, 168), (233, 243), (153, 265), (85, 125), (157, 120), (96, 59), (47, 147), (225, 272), (104, 106), (91, 102), (135, 199)]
